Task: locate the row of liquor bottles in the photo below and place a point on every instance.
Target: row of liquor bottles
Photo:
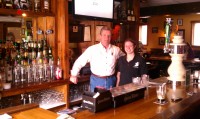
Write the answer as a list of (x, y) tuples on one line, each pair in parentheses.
[(32, 5), (28, 62), (125, 11), (25, 52)]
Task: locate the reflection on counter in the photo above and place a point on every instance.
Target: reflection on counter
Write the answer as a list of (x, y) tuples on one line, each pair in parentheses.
[(45, 98)]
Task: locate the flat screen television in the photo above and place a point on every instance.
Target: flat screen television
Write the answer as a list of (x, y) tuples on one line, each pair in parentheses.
[(93, 9)]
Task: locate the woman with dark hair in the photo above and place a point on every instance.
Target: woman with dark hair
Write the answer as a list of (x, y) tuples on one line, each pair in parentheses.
[(130, 65)]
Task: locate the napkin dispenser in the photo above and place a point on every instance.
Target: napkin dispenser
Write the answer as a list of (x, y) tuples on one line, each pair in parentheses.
[(97, 101)]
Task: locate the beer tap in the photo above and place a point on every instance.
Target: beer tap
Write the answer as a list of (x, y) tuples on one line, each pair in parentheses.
[(167, 37)]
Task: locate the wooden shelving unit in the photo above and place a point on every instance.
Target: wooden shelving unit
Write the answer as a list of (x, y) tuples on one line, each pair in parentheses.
[(26, 88), (58, 41)]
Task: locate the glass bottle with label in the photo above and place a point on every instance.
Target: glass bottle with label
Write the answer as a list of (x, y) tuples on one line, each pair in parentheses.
[(37, 5), (46, 5), (128, 8), (58, 70), (51, 68), (16, 4)]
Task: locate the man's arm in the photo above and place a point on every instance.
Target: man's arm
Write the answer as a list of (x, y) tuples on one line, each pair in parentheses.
[(78, 64)]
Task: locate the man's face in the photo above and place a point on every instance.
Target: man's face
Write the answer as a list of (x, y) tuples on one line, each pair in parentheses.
[(105, 37)]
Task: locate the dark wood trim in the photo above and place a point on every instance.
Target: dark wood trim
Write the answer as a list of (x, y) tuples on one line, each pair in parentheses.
[(176, 9), (11, 110), (25, 88), (13, 12)]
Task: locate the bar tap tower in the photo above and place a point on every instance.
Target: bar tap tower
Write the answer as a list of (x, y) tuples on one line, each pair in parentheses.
[(176, 49)]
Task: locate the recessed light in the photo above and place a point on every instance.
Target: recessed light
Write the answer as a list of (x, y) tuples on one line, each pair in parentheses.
[(24, 14)]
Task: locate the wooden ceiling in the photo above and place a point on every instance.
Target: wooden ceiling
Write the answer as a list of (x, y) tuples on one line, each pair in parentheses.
[(150, 3), (176, 9)]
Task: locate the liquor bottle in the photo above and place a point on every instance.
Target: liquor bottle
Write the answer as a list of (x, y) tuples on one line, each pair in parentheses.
[(24, 4), (132, 12), (22, 99), (37, 5), (1, 3), (29, 73), (30, 98), (18, 58), (8, 4), (58, 70), (128, 10), (132, 16), (123, 13), (45, 48), (46, 5), (17, 73), (50, 55), (34, 70), (39, 48), (30, 47), (39, 61), (23, 72), (8, 67), (30, 5), (26, 58), (51, 66), (16, 4), (34, 50)]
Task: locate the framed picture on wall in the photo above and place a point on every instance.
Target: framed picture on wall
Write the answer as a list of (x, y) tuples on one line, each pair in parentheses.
[(98, 29), (154, 29), (87, 33), (180, 22), (161, 40), (181, 32)]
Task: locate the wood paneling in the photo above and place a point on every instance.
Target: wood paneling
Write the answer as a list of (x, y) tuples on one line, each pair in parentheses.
[(61, 40), (175, 9)]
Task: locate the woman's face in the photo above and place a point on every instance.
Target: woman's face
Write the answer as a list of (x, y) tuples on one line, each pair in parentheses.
[(129, 47)]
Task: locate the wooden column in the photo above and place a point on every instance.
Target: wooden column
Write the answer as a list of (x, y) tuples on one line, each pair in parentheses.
[(62, 38), (134, 27)]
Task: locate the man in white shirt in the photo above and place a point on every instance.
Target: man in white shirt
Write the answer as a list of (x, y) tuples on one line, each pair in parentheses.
[(102, 58)]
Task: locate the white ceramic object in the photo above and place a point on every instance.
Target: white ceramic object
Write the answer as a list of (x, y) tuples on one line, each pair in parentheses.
[(177, 39), (176, 69), (6, 85)]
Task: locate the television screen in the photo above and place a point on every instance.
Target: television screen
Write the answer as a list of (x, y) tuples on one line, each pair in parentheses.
[(96, 9)]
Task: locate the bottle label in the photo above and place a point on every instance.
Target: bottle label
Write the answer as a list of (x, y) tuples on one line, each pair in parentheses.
[(8, 5), (133, 18), (58, 73), (129, 18), (46, 5)]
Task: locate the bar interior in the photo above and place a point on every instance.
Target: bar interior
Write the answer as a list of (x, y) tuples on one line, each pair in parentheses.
[(47, 67)]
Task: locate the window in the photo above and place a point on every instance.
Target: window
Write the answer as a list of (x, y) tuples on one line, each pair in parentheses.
[(143, 34), (195, 33)]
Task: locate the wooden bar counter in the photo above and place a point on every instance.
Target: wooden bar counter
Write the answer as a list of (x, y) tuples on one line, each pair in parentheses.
[(146, 108), (29, 111)]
